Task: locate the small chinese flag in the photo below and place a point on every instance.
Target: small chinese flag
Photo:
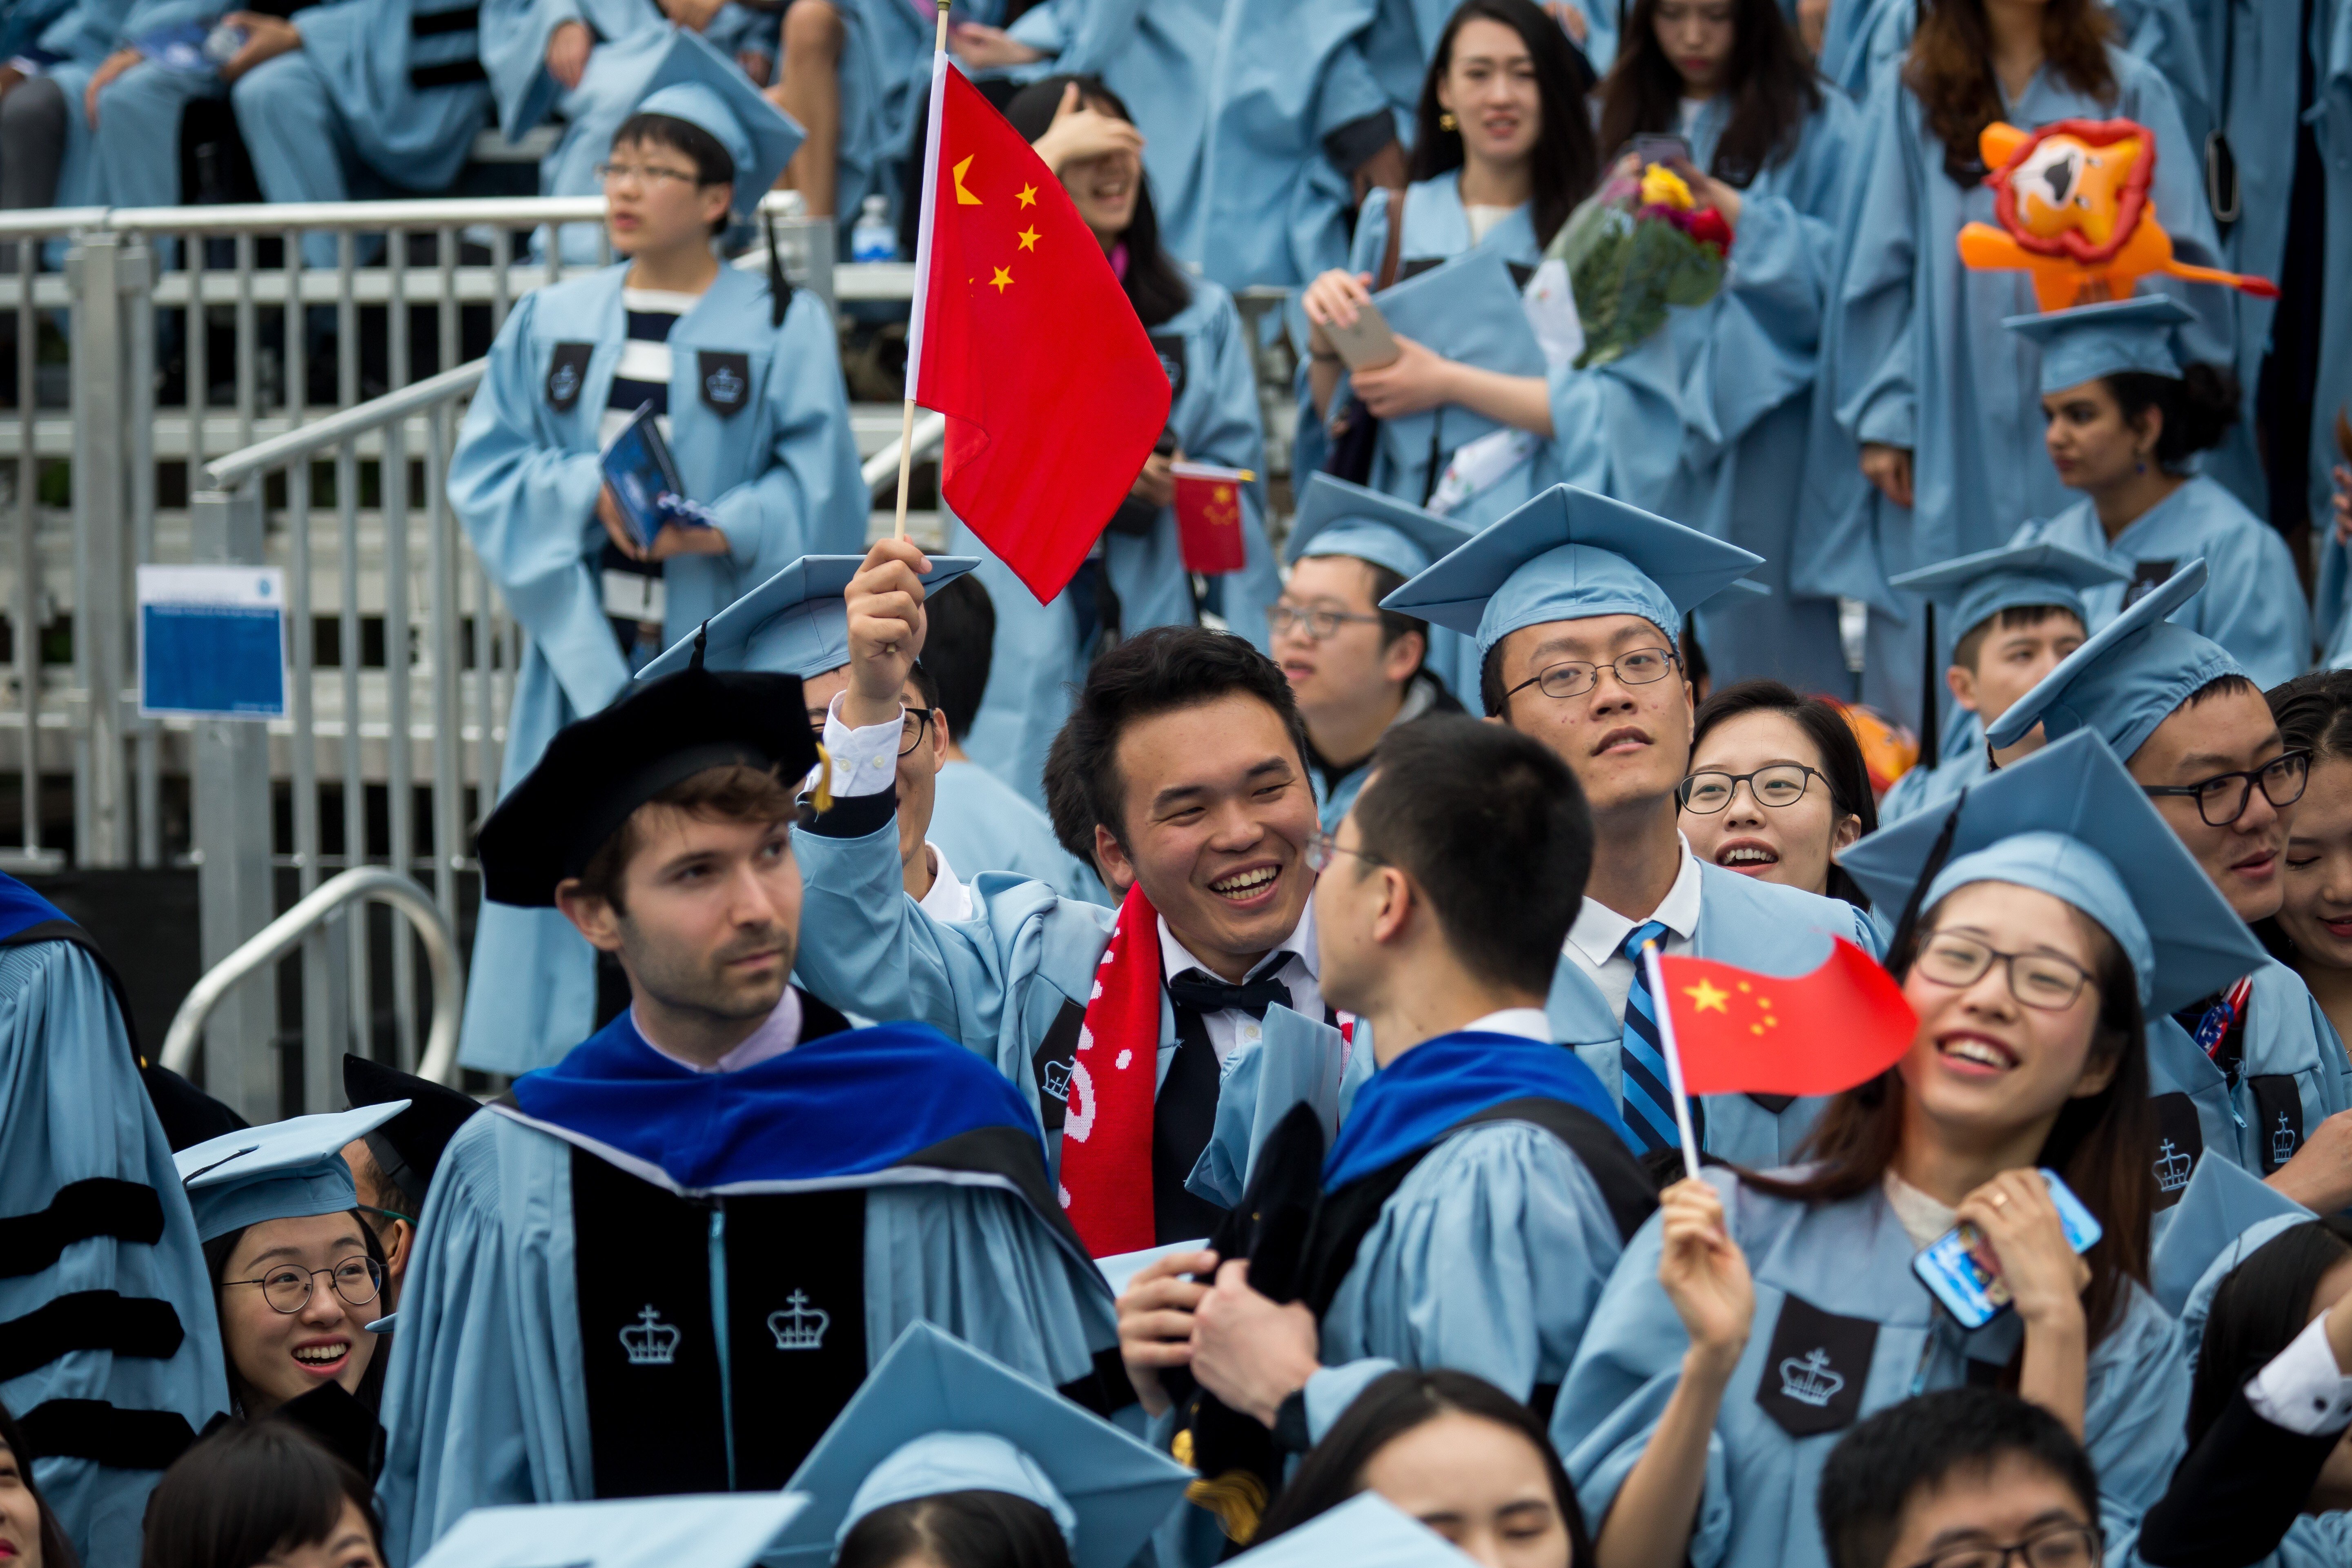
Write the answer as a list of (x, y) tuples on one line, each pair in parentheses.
[(1024, 338), (1209, 516), (1743, 1033)]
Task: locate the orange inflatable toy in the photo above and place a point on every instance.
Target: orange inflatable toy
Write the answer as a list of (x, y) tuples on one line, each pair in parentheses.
[(2075, 209)]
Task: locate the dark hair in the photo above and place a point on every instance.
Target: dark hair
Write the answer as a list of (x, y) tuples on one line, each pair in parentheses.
[(1768, 80), (957, 1530), (712, 166), (1847, 774), (247, 1493), (2315, 713), (733, 792), (56, 1547), (2199, 407), (2099, 1144), (959, 648), (1888, 1458), (1564, 162), (927, 685), (2016, 618), (1155, 284), (2229, 685), (1464, 809), (217, 1252), (1157, 671), (1949, 69), (1392, 1405), (2258, 1309)]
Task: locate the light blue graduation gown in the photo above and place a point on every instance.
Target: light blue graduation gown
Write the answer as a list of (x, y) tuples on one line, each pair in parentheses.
[(132, 158), (1759, 926), (1038, 662), (1747, 366), (1925, 789), (1915, 356), (2253, 604), (485, 1404), (884, 69), (2286, 1035), (1852, 1260), (983, 826), (344, 98), (72, 1109), (782, 475)]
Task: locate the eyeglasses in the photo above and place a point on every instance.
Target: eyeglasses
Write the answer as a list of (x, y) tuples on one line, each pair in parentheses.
[(912, 726), (1281, 620), (2042, 980), (2283, 778), (1322, 848), (1782, 784), (2068, 1546), (288, 1288), (647, 174), (388, 1214), (1575, 678)]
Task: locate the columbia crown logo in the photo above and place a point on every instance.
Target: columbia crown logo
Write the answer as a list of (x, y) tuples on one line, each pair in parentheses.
[(564, 383), (1057, 1080), (724, 386), (2172, 1168), (650, 1342), (1811, 1381), (799, 1326), (2282, 1141)]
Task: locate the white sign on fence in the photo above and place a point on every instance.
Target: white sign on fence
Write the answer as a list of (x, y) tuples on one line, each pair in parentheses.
[(212, 642)]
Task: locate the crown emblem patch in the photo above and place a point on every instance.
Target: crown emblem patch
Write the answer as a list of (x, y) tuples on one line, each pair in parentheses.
[(650, 1342), (2172, 1168), (799, 1326), (1057, 1080), (1815, 1369), (2283, 1139), (1811, 1381), (726, 380)]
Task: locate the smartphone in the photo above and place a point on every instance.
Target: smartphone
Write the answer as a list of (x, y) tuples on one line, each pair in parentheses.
[(1658, 147), (1959, 1269), (1367, 345)]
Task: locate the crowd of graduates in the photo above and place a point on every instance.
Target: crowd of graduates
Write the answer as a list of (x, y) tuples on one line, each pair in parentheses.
[(1188, 1069)]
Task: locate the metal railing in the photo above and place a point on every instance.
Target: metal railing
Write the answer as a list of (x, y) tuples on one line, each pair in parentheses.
[(372, 884)]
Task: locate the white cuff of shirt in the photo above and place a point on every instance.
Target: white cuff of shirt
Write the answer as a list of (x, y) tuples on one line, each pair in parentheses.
[(2302, 1390), (865, 762)]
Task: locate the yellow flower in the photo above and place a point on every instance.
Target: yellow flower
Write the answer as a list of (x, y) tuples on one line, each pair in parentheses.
[(1662, 187)]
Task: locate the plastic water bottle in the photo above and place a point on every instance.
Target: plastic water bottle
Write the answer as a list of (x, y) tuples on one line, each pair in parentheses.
[(222, 42), (873, 238)]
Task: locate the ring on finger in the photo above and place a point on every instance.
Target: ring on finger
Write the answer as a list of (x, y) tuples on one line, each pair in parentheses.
[(2000, 1199)]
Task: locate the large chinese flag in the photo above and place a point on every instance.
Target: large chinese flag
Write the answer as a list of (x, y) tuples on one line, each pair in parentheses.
[(1025, 339), (1743, 1033)]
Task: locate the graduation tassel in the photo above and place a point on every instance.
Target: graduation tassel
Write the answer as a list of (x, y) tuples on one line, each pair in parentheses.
[(780, 287), (1930, 738), (1938, 853), (701, 641), (1674, 1058)]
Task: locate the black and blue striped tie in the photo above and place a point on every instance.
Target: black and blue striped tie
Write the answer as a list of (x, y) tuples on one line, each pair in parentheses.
[(1642, 1059)]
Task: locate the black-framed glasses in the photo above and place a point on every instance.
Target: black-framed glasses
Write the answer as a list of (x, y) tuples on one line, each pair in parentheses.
[(1782, 784), (288, 1288), (1320, 626), (1574, 677), (2066, 1546), (911, 727), (649, 174), (1323, 847), (388, 1214), (2046, 981), (2222, 799)]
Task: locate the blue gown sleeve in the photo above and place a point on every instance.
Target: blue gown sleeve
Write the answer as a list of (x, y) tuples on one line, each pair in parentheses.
[(812, 497), (1490, 1257), (1295, 1062), (528, 507), (1613, 425), (2135, 1404), (514, 36), (1870, 374)]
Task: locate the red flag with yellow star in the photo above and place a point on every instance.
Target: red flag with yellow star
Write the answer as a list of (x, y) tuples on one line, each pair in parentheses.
[(1743, 1033), (1024, 338), (1209, 516)]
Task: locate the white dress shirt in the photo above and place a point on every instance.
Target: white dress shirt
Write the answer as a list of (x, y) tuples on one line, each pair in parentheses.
[(949, 898), (2303, 1389), (1526, 1022), (1292, 961), (1595, 939), (780, 1033)]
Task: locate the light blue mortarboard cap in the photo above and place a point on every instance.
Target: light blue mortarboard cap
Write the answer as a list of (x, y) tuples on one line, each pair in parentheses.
[(1336, 518), (2127, 678), (2069, 820), (795, 623), (2088, 341), (1982, 585), (694, 82), (879, 1450), (1567, 555), (722, 1530), (1365, 1531), (288, 1169)]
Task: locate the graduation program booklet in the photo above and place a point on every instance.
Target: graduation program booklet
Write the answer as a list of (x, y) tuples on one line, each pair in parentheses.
[(643, 474)]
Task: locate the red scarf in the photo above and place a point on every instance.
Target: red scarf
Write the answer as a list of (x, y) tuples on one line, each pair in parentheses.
[(1107, 1135)]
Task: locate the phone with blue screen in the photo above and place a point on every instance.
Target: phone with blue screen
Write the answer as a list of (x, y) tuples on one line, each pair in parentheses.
[(1960, 1271)]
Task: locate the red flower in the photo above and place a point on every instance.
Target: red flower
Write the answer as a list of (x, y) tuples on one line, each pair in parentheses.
[(1706, 226)]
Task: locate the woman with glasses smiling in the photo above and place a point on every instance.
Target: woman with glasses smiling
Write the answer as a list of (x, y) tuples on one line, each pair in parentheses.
[(1777, 787), (1760, 1315)]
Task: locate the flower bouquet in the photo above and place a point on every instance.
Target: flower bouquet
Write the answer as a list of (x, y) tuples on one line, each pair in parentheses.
[(1632, 248)]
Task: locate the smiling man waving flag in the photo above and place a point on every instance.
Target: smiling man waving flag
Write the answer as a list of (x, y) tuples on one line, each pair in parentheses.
[(1025, 339)]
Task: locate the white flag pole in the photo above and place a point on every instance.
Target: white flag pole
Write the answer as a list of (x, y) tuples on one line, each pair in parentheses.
[(922, 258), (1666, 1016)]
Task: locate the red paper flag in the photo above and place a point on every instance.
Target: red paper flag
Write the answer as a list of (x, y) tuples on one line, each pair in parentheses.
[(1743, 1033), (1022, 337), (1105, 1187), (1209, 516)]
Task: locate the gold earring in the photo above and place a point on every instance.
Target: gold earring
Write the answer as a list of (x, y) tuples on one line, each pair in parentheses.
[(1446, 121)]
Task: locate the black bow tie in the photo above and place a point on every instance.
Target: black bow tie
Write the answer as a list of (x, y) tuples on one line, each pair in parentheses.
[(1204, 992)]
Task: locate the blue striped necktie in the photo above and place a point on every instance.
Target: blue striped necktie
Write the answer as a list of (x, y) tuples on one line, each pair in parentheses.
[(1642, 1060)]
